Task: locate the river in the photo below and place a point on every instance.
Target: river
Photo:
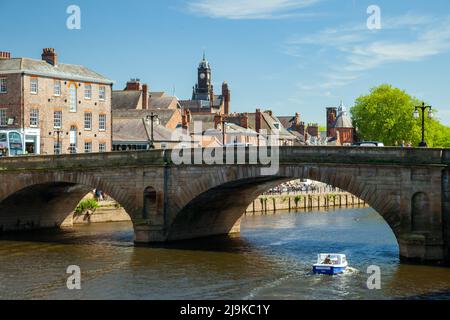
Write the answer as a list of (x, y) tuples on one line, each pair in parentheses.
[(271, 259)]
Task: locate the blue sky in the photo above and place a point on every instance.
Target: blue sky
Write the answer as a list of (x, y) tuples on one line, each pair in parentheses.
[(285, 55)]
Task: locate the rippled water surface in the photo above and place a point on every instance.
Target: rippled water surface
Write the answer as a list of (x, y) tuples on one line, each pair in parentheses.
[(271, 259)]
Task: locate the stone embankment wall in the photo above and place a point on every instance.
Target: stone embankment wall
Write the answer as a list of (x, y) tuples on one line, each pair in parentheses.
[(273, 203)]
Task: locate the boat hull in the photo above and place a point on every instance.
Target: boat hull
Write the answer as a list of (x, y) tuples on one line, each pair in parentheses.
[(328, 269)]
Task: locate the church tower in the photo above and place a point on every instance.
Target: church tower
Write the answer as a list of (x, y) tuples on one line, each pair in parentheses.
[(203, 88)]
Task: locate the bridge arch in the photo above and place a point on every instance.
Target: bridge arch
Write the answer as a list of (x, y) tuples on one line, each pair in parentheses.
[(46, 199), (216, 208)]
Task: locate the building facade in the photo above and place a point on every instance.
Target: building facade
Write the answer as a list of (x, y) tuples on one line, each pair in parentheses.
[(56, 108)]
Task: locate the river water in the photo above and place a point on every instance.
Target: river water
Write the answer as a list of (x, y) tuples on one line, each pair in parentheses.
[(271, 259)]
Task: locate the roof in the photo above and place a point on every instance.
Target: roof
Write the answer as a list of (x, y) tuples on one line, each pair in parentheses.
[(286, 121), (343, 121), (136, 130), (164, 115), (163, 102), (207, 121), (44, 69), (125, 99), (272, 121)]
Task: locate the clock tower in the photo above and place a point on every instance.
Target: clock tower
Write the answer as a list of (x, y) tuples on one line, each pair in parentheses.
[(203, 88)]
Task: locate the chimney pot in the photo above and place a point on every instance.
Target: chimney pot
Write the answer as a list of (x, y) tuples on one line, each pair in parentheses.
[(49, 55), (5, 55)]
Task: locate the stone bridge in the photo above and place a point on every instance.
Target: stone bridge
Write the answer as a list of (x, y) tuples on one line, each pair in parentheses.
[(408, 187)]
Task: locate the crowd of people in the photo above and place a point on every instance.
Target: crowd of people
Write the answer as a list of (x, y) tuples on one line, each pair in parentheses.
[(302, 186)]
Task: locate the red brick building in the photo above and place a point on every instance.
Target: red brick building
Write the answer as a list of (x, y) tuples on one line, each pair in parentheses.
[(54, 107), (339, 125)]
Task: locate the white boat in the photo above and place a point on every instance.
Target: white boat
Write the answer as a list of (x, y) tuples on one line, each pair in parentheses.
[(330, 263)]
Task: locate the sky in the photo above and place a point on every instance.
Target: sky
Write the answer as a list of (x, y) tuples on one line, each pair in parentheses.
[(284, 55)]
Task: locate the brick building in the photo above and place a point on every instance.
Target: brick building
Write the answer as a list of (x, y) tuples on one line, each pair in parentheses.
[(55, 107), (339, 126)]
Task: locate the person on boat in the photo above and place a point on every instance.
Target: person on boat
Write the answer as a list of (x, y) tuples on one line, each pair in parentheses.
[(327, 260)]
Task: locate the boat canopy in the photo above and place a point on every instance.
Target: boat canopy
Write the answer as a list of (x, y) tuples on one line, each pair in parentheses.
[(331, 258)]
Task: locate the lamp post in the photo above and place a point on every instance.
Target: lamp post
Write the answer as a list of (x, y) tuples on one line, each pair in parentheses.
[(151, 118), (416, 114), (223, 121)]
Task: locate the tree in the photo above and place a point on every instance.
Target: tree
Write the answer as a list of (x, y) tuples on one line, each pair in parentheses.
[(386, 115)]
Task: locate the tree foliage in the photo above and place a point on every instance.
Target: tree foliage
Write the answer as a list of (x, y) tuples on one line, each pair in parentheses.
[(386, 115)]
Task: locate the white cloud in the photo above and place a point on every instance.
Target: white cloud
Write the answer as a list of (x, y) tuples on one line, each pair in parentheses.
[(248, 9), (358, 50)]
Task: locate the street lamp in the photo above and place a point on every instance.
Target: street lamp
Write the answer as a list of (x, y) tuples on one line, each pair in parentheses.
[(151, 118), (223, 121), (416, 114)]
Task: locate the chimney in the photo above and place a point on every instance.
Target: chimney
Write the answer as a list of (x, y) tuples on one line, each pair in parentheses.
[(133, 85), (5, 55), (301, 129), (243, 121), (297, 120), (226, 97), (217, 120), (49, 56), (186, 118), (258, 120), (313, 129), (144, 96), (331, 119)]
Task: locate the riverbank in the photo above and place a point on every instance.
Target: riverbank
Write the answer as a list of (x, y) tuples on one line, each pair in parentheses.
[(285, 202)]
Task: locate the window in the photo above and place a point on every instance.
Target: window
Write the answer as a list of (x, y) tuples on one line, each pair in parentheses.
[(102, 147), (34, 117), (3, 85), (57, 88), (73, 139), (87, 146), (88, 121), (57, 119), (57, 147), (88, 91), (34, 86), (102, 93), (73, 98), (102, 122), (3, 118)]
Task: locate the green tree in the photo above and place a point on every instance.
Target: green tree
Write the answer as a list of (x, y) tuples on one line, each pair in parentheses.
[(386, 114)]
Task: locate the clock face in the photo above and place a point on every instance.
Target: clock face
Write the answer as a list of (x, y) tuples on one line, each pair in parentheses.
[(202, 76)]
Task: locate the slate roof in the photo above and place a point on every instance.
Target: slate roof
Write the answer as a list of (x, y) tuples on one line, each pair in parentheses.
[(164, 115), (136, 130), (163, 102), (44, 69), (286, 121), (125, 99)]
